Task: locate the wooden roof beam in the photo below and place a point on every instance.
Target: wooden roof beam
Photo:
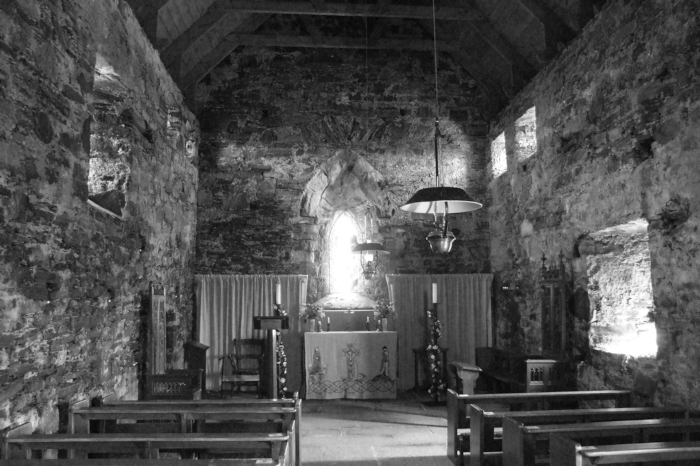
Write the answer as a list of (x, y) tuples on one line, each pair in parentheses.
[(345, 9), (556, 32), (146, 12), (202, 68), (173, 52), (234, 40)]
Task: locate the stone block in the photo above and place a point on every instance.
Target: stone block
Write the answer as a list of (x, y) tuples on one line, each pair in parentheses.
[(8, 392)]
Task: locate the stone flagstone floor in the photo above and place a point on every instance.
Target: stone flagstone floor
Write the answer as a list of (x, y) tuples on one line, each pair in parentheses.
[(406, 432)]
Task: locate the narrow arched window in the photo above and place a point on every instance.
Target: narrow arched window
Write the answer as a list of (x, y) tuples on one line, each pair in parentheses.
[(345, 270)]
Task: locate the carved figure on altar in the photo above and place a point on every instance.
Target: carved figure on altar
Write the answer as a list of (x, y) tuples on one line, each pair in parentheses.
[(317, 368), (350, 353), (384, 370), (383, 367)]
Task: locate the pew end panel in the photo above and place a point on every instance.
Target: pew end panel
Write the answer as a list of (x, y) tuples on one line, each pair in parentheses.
[(483, 442), (564, 451), (8, 451), (513, 442), (457, 420)]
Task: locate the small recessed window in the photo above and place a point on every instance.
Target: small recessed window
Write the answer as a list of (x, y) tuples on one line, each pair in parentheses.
[(110, 143), (526, 135), (499, 164)]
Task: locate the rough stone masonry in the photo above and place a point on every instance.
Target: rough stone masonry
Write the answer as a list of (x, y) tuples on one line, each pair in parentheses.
[(75, 279)]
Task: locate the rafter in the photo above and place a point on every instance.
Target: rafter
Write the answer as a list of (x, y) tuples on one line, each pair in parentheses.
[(202, 68), (345, 9), (146, 12), (314, 31), (505, 49), (378, 28), (471, 63), (556, 32), (257, 40), (172, 53)]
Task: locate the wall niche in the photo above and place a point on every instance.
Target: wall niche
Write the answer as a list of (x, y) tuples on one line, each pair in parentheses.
[(618, 265)]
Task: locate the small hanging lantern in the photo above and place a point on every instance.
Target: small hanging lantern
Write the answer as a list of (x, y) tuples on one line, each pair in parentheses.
[(369, 251)]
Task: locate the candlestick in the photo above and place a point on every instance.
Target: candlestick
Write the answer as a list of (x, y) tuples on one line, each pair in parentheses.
[(278, 294), (328, 325), (391, 293), (435, 299), (367, 323)]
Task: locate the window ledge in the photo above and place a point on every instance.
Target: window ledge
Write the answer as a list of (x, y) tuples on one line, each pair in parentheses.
[(104, 211)]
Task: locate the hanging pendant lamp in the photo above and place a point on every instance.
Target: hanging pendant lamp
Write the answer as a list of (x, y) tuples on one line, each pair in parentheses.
[(440, 200), (369, 251)]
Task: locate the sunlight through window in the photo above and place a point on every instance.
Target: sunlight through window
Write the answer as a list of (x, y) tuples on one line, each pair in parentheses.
[(344, 264)]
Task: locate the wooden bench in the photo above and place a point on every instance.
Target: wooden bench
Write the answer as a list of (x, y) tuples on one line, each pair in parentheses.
[(113, 400), (567, 452), (458, 420), (202, 416), (520, 441), (141, 462), (145, 445), (485, 426)]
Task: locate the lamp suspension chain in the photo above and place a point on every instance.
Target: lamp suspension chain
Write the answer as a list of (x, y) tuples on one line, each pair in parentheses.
[(437, 103), (366, 87)]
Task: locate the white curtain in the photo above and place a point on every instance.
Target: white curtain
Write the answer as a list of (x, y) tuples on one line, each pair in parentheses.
[(464, 308), (226, 305)]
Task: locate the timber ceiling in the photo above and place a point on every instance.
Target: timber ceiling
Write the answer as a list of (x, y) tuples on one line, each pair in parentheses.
[(500, 43)]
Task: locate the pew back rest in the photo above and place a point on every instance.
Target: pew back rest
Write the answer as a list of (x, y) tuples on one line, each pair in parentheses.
[(567, 452), (457, 415), (519, 440), (8, 452), (142, 462)]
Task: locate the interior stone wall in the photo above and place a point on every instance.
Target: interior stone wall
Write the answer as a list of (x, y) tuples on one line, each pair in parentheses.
[(280, 124), (617, 118), (74, 280)]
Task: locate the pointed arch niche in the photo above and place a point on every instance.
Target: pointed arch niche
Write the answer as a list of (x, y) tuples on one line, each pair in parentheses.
[(337, 196)]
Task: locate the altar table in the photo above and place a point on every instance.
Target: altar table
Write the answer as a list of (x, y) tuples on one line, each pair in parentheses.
[(350, 364)]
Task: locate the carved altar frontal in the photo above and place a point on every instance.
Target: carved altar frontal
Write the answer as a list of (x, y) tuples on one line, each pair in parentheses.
[(356, 365)]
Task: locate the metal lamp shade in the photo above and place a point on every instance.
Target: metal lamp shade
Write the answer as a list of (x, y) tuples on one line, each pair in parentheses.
[(432, 201)]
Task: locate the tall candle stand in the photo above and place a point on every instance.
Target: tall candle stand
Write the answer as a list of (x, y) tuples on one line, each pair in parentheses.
[(276, 362), (437, 384), (281, 357)]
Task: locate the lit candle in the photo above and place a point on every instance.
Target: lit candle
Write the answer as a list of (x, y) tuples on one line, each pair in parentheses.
[(278, 295), (368, 320), (435, 293)]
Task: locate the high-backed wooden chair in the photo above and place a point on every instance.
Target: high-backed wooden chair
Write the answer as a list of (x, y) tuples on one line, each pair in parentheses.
[(243, 365)]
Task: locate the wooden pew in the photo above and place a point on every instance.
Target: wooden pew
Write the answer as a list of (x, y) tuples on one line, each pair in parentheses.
[(141, 462), (520, 441), (193, 416), (458, 420), (145, 445), (486, 448), (567, 452)]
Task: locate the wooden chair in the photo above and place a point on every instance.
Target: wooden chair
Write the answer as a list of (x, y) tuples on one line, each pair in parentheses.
[(243, 365)]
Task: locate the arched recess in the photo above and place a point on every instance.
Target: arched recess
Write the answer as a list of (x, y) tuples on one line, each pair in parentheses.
[(344, 183)]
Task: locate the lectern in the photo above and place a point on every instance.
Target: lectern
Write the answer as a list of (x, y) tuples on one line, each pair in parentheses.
[(273, 324), (196, 359)]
